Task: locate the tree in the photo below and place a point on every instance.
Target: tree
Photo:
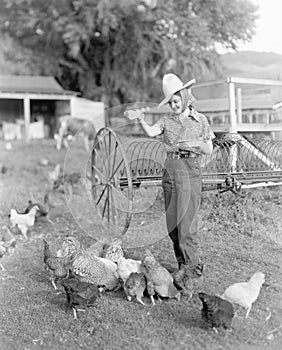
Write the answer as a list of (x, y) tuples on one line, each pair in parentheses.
[(118, 50)]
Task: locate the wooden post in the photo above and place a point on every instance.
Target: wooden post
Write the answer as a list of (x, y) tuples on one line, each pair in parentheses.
[(233, 125), (27, 117), (232, 108), (239, 106)]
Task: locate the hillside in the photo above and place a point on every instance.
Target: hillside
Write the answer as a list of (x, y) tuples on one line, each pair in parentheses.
[(251, 64)]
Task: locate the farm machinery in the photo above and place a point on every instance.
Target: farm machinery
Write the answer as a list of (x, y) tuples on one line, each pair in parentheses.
[(120, 166)]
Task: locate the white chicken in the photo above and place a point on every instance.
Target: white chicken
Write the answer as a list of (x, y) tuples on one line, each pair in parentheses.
[(23, 221), (245, 293), (110, 265), (127, 266)]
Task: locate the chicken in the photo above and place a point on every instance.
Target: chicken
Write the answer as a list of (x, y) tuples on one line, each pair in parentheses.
[(216, 311), (80, 294), (70, 247), (126, 266), (135, 285), (188, 278), (159, 280), (97, 248), (23, 221), (3, 168), (245, 293), (7, 243), (42, 209), (6, 235), (57, 267), (113, 250), (110, 265), (89, 268), (67, 179), (54, 174)]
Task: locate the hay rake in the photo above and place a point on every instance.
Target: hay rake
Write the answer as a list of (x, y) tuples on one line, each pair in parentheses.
[(122, 165)]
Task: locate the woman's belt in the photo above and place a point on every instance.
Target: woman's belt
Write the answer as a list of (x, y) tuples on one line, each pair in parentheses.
[(181, 154)]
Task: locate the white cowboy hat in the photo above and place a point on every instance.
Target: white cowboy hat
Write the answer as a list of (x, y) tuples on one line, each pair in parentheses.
[(171, 85)]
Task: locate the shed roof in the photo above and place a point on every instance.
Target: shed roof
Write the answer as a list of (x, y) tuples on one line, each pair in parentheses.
[(32, 84)]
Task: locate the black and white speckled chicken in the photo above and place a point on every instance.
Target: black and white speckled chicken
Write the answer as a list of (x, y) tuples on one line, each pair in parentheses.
[(113, 250), (216, 311), (70, 247), (80, 295), (135, 286), (90, 269), (188, 279), (87, 267), (57, 267), (159, 280)]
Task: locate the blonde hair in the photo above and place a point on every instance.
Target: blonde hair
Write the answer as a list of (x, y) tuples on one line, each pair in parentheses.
[(187, 98)]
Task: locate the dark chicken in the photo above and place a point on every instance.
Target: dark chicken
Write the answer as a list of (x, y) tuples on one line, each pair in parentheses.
[(135, 286), (80, 295), (57, 267), (216, 311)]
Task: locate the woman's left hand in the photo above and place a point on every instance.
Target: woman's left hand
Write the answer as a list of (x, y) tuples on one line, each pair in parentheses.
[(189, 144)]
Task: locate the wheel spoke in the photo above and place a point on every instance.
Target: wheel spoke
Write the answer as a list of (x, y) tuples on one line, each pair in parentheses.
[(101, 195), (114, 172), (114, 211), (98, 171), (108, 200), (104, 208), (115, 154)]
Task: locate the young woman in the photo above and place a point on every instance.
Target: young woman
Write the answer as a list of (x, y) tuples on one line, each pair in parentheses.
[(186, 135)]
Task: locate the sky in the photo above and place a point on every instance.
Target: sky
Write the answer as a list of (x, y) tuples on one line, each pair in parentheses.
[(268, 27)]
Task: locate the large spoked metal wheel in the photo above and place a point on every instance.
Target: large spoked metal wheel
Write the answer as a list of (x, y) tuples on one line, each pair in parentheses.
[(111, 181)]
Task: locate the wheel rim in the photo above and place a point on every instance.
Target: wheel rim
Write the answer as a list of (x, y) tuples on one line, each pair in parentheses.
[(113, 201)]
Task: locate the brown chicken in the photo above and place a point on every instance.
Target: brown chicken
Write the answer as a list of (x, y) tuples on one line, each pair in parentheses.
[(135, 286), (80, 295), (188, 279), (159, 280), (57, 267)]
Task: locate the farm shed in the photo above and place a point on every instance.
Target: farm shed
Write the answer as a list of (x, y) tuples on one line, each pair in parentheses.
[(32, 104)]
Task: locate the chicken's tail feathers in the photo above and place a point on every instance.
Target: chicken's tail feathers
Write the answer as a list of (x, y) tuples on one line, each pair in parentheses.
[(47, 251), (224, 297), (173, 292)]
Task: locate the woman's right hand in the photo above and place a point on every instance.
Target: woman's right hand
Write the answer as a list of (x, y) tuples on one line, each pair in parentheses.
[(134, 114)]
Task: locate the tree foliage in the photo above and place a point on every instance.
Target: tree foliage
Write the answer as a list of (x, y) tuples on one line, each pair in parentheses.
[(118, 50)]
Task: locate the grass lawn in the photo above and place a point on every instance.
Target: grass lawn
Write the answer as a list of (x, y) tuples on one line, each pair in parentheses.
[(238, 236)]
